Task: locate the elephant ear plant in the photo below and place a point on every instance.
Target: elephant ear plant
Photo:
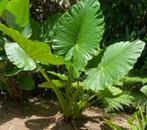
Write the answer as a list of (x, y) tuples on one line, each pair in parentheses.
[(11, 81), (75, 41)]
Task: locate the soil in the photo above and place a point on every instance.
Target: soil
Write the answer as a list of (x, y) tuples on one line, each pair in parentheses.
[(44, 114)]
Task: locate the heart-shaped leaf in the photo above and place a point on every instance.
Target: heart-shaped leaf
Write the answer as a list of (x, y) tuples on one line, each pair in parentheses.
[(78, 33), (116, 62)]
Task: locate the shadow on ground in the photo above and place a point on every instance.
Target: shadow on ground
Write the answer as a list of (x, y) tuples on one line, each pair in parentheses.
[(35, 106), (44, 114)]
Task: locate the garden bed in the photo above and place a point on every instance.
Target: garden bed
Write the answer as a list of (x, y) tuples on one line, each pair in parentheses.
[(44, 114)]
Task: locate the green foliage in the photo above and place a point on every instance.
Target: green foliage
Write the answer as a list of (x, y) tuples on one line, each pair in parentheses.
[(15, 13), (76, 39), (26, 83), (114, 98), (44, 31), (144, 90), (139, 119), (60, 76), (10, 70), (135, 86), (9, 12), (6, 68), (124, 20), (116, 62), (3, 4), (57, 83), (42, 55), (19, 57), (112, 125), (78, 33), (117, 103), (134, 79)]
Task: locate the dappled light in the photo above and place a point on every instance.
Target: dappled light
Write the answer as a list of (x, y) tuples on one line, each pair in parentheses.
[(73, 65)]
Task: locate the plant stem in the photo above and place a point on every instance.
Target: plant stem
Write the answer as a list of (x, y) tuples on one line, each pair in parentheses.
[(91, 98), (93, 101), (56, 90), (68, 87), (141, 112)]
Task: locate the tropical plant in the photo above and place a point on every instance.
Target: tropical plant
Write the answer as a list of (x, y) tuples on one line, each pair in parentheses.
[(139, 119), (114, 98), (130, 25), (75, 41), (134, 86), (124, 93), (112, 125), (11, 81)]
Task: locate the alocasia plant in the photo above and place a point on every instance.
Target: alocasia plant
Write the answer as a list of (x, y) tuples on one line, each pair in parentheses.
[(9, 14), (76, 39)]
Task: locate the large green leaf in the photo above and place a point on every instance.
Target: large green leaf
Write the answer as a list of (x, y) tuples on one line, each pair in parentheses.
[(19, 57), (3, 4), (144, 90), (118, 59), (78, 33), (38, 51), (15, 11)]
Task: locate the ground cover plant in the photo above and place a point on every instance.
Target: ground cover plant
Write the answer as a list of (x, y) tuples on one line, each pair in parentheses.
[(137, 122), (72, 40)]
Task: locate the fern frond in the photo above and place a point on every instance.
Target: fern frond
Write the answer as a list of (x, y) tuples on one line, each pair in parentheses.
[(118, 102)]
